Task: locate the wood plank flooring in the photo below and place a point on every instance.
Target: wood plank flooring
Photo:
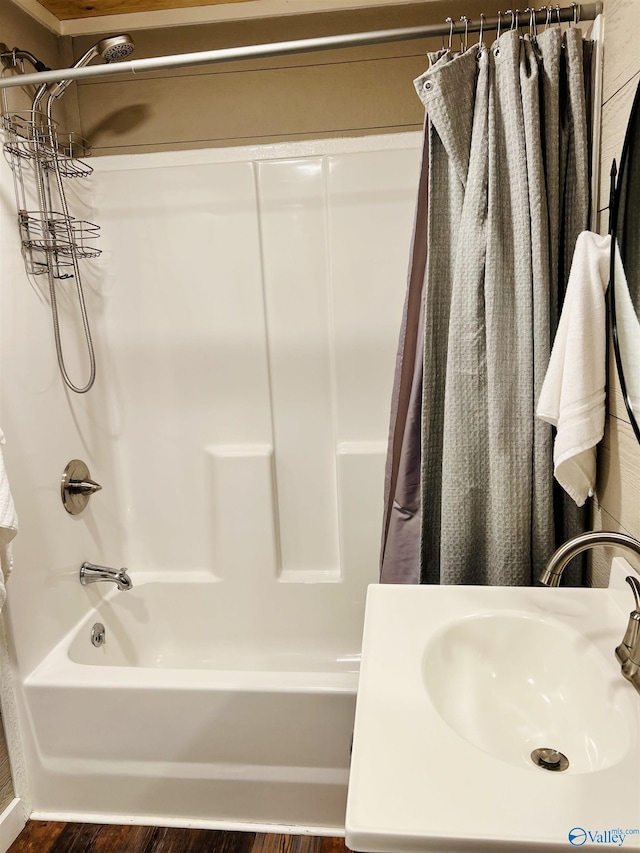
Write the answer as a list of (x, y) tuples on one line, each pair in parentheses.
[(6, 783), (54, 837)]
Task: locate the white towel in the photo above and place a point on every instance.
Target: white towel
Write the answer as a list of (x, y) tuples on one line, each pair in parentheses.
[(8, 526), (573, 392)]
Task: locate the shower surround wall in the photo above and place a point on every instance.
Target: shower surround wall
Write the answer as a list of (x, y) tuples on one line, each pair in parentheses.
[(252, 316), (618, 487), (245, 312), (17, 28)]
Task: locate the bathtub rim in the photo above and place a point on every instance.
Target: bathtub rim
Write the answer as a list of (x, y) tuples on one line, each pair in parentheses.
[(58, 668)]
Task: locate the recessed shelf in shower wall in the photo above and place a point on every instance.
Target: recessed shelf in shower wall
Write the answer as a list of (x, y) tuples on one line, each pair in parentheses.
[(247, 526)]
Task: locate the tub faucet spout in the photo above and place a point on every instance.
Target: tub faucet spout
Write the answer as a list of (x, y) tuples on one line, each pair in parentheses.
[(89, 573)]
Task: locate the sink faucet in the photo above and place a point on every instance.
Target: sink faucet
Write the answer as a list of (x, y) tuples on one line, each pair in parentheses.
[(555, 567), (92, 574), (628, 652)]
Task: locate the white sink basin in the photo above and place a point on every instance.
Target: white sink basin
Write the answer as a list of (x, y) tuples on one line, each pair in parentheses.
[(511, 682), (458, 686)]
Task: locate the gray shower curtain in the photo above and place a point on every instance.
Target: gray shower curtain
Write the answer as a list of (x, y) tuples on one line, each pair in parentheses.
[(504, 193)]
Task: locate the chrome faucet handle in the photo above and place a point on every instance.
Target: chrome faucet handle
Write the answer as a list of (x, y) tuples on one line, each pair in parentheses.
[(76, 487), (634, 583), (83, 487)]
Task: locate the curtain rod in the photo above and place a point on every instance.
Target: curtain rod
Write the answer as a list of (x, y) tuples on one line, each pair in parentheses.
[(576, 12)]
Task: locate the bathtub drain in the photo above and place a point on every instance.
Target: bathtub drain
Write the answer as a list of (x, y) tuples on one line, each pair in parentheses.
[(98, 634), (549, 759)]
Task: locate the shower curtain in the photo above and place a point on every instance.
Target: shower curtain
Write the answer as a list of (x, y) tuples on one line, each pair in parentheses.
[(504, 192)]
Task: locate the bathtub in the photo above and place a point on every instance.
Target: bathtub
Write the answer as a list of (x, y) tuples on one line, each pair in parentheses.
[(197, 712)]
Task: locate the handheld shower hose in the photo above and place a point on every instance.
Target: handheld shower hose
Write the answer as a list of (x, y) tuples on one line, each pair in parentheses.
[(112, 49)]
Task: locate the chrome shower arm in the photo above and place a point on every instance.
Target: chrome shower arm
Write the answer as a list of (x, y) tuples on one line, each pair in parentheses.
[(10, 58)]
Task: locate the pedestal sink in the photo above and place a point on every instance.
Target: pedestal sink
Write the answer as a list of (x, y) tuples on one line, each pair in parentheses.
[(494, 719)]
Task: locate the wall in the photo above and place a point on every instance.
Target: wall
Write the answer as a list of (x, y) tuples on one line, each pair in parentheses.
[(618, 487), (44, 430), (245, 313), (20, 30), (16, 30), (329, 93), (239, 288)]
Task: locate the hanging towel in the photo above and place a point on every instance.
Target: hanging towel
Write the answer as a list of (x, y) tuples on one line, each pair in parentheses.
[(8, 526), (573, 393)]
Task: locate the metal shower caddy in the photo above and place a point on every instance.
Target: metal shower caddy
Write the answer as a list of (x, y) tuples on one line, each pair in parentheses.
[(41, 158)]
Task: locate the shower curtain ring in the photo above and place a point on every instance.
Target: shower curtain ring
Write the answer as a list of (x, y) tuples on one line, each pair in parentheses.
[(575, 14), (513, 17), (547, 19), (499, 24), (557, 8), (481, 29), (466, 33), (450, 22), (533, 26)]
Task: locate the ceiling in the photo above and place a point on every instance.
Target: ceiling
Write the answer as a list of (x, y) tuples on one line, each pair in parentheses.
[(67, 10), (85, 17)]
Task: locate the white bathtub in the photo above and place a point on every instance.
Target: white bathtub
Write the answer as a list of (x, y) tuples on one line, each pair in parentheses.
[(197, 711)]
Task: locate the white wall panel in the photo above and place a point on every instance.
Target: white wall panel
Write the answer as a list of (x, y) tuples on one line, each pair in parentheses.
[(294, 249), (244, 300), (360, 478), (371, 207), (186, 343), (619, 453), (242, 513), (45, 428)]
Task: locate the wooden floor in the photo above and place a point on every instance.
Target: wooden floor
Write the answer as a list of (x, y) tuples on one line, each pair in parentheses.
[(52, 837), (6, 784)]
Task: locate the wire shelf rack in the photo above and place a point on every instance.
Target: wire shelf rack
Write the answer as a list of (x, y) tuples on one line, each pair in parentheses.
[(41, 156), (32, 136), (51, 238)]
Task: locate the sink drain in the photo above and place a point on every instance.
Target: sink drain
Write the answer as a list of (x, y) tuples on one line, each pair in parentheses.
[(549, 759)]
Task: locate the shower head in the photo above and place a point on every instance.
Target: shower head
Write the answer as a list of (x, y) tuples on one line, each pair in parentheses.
[(111, 49), (115, 48)]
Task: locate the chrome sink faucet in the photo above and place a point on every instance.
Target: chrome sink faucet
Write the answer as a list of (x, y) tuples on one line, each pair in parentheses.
[(628, 652), (89, 573), (585, 541)]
